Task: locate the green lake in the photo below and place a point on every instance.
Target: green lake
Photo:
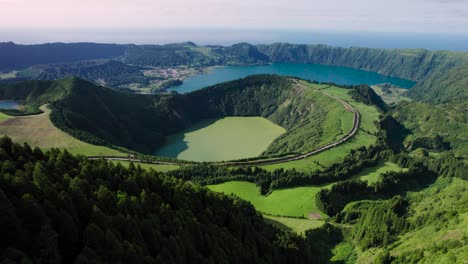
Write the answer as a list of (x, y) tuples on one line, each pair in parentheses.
[(228, 138)]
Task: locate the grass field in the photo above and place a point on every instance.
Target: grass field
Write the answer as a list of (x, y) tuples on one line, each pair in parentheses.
[(364, 137), (38, 130), (371, 175), (156, 167), (223, 139), (4, 117), (292, 202), (296, 202), (298, 225)]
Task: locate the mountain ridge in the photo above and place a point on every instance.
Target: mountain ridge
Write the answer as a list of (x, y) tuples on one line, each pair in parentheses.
[(428, 68)]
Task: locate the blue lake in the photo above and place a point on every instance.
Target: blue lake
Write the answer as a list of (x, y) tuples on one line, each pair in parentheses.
[(9, 104), (321, 73)]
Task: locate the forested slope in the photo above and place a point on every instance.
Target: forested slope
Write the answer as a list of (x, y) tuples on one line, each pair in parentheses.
[(56, 208)]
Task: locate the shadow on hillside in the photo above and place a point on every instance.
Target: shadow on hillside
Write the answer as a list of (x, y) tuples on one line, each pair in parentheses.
[(277, 224)]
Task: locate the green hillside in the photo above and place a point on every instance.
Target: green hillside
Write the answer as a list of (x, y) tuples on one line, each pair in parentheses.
[(141, 122), (428, 226), (427, 123)]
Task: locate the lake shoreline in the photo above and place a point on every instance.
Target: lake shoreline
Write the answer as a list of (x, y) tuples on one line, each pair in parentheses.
[(315, 72)]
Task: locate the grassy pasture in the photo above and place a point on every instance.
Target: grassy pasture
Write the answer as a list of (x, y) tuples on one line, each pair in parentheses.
[(371, 175), (223, 139), (281, 205), (38, 131), (295, 202)]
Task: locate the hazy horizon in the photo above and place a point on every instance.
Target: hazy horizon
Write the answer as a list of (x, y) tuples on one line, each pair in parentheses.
[(213, 36), (430, 24)]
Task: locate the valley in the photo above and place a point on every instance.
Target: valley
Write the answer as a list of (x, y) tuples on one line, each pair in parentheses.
[(282, 149)]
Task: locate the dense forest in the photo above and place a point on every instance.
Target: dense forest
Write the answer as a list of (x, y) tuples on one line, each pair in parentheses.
[(59, 208)]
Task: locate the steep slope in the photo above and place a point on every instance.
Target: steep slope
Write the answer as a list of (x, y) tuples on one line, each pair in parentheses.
[(441, 75), (33, 94), (444, 86)]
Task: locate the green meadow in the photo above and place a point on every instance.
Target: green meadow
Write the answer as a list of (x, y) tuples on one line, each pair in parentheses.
[(293, 202), (371, 174), (228, 138), (291, 209)]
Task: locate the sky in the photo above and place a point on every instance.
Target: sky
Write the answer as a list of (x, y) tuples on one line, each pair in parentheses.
[(19, 18)]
